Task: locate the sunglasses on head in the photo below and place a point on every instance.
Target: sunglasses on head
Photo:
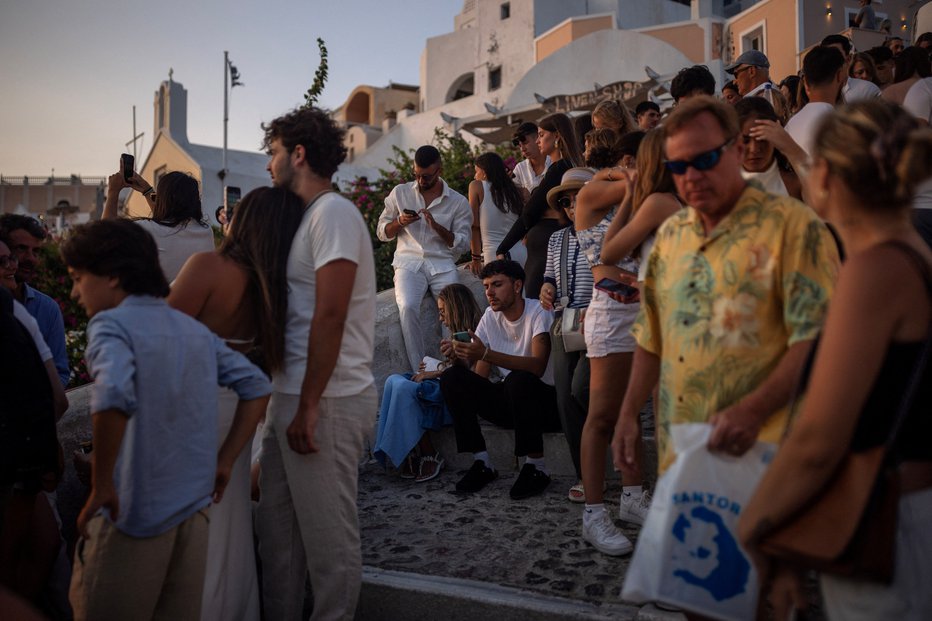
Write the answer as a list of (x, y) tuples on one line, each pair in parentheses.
[(703, 161)]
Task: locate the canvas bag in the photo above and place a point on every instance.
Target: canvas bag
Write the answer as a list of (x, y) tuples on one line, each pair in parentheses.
[(687, 554), (568, 326)]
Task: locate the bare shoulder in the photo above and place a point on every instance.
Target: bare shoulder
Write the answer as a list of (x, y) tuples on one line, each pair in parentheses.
[(885, 273)]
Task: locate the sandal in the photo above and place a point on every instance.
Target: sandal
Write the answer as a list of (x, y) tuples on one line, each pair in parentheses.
[(409, 468), (430, 467), (577, 493)]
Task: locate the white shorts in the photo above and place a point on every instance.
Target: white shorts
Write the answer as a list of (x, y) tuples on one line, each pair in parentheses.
[(608, 326)]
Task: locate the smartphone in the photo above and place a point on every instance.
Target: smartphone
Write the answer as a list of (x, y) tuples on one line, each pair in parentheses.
[(462, 337), (613, 286), (410, 212), (127, 165), (231, 196)]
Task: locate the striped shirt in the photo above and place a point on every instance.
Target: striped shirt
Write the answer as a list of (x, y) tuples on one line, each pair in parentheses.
[(578, 272)]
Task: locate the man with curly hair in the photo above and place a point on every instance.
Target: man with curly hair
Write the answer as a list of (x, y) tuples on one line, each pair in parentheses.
[(324, 400)]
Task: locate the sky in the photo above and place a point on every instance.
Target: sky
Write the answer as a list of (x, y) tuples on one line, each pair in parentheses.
[(71, 71)]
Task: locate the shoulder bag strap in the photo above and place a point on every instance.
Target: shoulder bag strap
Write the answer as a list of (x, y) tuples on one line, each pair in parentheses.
[(564, 255)]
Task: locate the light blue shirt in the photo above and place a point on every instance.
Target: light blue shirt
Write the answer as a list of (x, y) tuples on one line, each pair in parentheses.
[(161, 368), (47, 314)]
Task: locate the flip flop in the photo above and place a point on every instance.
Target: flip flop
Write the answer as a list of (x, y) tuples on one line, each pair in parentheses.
[(577, 493), (434, 465)]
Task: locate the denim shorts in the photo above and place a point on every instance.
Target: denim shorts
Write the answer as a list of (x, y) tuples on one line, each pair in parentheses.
[(608, 326)]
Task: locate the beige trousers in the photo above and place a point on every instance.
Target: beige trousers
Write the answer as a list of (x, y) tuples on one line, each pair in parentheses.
[(121, 577), (307, 520)]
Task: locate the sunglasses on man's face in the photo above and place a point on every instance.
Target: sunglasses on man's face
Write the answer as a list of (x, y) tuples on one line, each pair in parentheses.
[(702, 162)]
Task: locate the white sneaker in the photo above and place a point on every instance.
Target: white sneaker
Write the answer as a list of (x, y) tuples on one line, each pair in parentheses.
[(633, 507), (604, 536)]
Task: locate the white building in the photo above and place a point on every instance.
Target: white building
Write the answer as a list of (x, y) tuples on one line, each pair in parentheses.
[(171, 151)]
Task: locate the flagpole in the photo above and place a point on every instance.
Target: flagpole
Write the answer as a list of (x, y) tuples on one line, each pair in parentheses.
[(226, 111)]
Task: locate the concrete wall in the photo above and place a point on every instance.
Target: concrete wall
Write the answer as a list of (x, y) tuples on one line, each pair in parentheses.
[(779, 19), (165, 152), (687, 38), (569, 31)]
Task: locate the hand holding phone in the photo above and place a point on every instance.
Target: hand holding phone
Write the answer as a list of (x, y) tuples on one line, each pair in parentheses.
[(127, 166), (462, 337), (619, 291)]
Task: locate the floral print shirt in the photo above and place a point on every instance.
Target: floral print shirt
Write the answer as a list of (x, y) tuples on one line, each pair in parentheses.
[(721, 309)]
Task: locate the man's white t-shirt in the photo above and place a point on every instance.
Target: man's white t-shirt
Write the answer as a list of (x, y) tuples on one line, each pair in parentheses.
[(514, 337), (22, 315), (802, 127), (918, 100), (525, 176), (332, 229), (856, 89)]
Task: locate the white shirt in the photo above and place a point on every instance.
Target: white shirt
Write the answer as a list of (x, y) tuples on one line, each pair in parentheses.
[(178, 243), (32, 327), (418, 244), (332, 229), (803, 125), (525, 176), (918, 101), (514, 337), (856, 90), (770, 180)]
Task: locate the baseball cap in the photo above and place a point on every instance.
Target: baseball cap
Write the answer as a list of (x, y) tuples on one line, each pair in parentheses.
[(752, 58)]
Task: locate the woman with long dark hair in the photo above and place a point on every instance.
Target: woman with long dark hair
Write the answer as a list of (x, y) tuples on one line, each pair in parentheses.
[(177, 222), (556, 138), (496, 204), (240, 292)]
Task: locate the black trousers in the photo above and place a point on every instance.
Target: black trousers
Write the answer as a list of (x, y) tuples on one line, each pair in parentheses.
[(521, 402)]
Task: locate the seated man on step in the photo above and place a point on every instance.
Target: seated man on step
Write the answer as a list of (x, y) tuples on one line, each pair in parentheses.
[(514, 336)]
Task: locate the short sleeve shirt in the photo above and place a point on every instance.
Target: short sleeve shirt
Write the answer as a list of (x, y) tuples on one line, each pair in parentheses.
[(514, 337), (721, 309), (332, 230)]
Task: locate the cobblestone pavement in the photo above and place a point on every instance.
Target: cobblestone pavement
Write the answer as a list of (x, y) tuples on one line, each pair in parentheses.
[(534, 544)]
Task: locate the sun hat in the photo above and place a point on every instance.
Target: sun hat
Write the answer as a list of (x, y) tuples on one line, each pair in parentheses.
[(573, 179)]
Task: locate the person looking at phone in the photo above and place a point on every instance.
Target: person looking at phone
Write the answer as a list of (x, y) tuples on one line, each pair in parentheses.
[(177, 222), (432, 224), (514, 336), (735, 292)]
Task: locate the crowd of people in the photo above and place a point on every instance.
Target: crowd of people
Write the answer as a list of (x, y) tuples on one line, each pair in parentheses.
[(759, 240)]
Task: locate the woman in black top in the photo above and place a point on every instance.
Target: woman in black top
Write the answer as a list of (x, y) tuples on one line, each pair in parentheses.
[(868, 159), (556, 138)]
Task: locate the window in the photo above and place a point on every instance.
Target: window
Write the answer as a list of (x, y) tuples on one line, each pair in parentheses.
[(755, 38), (505, 10), (495, 78)]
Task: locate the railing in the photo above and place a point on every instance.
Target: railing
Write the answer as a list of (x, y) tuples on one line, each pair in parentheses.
[(47, 180)]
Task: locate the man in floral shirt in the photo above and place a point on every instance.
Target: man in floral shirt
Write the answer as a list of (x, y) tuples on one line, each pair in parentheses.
[(736, 290)]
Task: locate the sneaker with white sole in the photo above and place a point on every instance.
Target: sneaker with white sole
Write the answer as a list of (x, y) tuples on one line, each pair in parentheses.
[(633, 508), (600, 532)]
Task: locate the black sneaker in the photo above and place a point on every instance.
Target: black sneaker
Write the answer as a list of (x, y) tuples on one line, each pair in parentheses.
[(477, 477), (530, 482)]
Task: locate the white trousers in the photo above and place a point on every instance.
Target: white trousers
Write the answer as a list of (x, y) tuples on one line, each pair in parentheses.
[(410, 288), (307, 520)]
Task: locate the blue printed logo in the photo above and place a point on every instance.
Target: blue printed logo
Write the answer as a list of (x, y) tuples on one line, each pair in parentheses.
[(709, 556)]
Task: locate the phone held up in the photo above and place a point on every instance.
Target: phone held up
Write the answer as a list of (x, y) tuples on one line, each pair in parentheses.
[(627, 292), (410, 212), (127, 165), (462, 337)]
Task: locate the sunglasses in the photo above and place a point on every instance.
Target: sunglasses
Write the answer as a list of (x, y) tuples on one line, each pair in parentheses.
[(567, 202), (518, 140), (702, 162)]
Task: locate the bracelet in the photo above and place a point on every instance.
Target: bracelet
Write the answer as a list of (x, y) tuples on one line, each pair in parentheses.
[(151, 190), (486, 353)]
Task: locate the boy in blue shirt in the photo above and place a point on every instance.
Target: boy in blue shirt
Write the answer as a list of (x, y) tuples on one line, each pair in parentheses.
[(154, 411)]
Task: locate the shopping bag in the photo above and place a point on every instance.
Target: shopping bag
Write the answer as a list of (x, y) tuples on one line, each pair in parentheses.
[(687, 553)]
